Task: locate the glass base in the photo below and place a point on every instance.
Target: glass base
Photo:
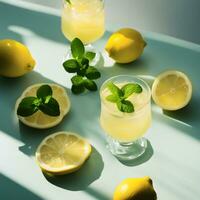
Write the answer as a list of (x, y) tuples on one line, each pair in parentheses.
[(127, 151), (88, 47)]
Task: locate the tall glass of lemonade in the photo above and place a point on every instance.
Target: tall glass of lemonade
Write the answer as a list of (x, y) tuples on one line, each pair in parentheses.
[(125, 130), (83, 19)]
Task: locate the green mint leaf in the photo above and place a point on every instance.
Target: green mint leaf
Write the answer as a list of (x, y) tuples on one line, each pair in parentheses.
[(112, 98), (44, 91), (71, 65), (77, 48), (77, 80), (47, 99), (131, 88), (81, 71), (37, 102), (51, 108), (84, 62), (114, 89), (125, 106), (26, 107), (92, 73), (90, 55), (68, 1), (77, 89), (90, 85)]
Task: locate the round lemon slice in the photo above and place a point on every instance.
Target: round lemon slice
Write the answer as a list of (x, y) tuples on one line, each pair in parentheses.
[(172, 90), (39, 119), (62, 153)]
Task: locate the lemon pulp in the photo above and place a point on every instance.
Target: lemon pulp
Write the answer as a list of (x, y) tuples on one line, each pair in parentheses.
[(62, 153), (172, 90)]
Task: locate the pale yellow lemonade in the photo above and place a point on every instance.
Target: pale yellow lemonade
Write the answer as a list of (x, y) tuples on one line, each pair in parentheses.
[(83, 19), (126, 127)]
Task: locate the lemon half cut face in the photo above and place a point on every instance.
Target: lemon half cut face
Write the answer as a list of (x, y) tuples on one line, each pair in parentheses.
[(172, 90), (62, 153), (39, 119)]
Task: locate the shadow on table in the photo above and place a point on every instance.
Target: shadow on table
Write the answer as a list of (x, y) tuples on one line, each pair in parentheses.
[(12, 190), (75, 121), (189, 118), (142, 159), (80, 180), (185, 119), (42, 24), (10, 90), (81, 116)]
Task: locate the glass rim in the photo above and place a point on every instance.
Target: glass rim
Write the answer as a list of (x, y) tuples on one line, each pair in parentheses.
[(129, 115), (103, 3)]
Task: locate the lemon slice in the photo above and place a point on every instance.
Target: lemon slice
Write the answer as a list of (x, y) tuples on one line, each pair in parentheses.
[(172, 90), (39, 119), (62, 153)]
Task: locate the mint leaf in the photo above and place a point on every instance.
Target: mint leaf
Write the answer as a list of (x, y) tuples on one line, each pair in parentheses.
[(44, 91), (77, 48), (68, 1), (125, 106), (112, 98), (80, 65), (92, 73), (85, 62), (81, 71), (47, 99), (27, 107), (114, 89), (71, 65), (51, 108), (77, 89), (37, 102), (131, 88), (90, 85), (77, 80), (90, 55)]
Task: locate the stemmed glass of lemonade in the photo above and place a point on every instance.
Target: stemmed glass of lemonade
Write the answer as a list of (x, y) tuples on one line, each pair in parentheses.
[(125, 130), (83, 19)]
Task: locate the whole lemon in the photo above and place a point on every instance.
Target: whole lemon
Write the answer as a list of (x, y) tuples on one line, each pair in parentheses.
[(125, 45), (15, 59), (135, 189)]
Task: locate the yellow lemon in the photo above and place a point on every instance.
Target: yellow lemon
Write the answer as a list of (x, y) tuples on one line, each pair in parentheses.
[(125, 45), (39, 119), (62, 153), (15, 58), (135, 189), (172, 90)]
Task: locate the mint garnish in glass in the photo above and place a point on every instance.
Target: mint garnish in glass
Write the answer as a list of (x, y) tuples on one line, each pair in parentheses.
[(119, 96), (68, 1)]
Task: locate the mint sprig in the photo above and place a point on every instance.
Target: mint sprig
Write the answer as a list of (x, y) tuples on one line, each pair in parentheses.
[(43, 102), (68, 1), (80, 65), (119, 96)]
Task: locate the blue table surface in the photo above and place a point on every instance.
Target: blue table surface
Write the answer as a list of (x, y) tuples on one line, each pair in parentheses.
[(172, 158)]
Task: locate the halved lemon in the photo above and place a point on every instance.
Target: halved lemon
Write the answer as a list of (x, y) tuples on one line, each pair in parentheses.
[(172, 90), (62, 153), (39, 119)]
